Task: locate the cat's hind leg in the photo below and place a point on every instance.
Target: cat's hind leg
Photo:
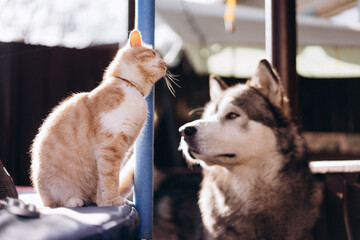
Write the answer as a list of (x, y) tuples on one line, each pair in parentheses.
[(55, 192), (47, 197), (48, 200), (56, 199)]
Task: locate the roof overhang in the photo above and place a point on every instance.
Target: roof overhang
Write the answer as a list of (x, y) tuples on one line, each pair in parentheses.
[(324, 49)]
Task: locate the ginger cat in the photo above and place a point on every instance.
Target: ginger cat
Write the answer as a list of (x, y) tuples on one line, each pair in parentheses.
[(78, 152)]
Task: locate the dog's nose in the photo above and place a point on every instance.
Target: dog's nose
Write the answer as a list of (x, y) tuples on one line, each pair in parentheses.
[(188, 131)]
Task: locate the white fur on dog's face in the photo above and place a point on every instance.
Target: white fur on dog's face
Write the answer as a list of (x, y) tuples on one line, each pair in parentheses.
[(227, 136), (254, 161)]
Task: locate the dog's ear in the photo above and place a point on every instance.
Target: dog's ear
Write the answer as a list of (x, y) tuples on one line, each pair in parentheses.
[(267, 82), (217, 86)]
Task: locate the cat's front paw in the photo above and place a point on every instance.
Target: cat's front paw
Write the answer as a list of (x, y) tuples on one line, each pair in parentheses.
[(74, 202), (117, 201)]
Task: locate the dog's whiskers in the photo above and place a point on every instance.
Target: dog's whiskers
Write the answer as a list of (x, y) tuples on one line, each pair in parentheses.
[(169, 79)]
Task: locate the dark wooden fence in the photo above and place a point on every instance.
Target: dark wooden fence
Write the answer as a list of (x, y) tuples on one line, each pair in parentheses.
[(330, 105)]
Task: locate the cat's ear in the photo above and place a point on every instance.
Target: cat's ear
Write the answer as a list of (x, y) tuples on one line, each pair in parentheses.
[(217, 86), (135, 38)]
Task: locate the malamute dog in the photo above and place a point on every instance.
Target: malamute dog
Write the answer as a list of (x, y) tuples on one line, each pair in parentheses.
[(256, 180)]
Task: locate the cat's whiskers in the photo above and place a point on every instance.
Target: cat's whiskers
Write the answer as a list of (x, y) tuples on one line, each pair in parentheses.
[(90, 133), (169, 79)]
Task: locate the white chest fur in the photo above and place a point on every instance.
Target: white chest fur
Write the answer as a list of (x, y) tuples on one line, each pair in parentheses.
[(128, 116), (237, 186)]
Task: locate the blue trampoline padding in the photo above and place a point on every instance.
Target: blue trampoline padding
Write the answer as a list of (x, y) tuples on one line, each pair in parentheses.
[(118, 222)]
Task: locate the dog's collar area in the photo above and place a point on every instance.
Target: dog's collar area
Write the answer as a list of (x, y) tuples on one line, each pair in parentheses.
[(132, 84)]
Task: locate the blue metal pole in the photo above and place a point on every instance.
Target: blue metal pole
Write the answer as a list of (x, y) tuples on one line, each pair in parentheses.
[(143, 178)]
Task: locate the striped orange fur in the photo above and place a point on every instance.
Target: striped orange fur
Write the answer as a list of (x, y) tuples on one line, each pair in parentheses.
[(80, 148)]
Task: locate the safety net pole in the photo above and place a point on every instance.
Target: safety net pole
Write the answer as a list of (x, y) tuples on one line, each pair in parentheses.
[(143, 179)]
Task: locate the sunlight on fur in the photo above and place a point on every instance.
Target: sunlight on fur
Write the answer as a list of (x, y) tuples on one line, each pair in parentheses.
[(83, 143)]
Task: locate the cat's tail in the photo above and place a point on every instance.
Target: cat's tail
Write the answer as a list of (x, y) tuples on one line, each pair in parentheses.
[(126, 178)]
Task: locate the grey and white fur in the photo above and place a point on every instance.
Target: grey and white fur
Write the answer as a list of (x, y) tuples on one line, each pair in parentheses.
[(256, 179)]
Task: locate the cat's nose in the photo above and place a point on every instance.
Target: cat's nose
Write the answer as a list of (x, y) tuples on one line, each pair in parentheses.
[(162, 64)]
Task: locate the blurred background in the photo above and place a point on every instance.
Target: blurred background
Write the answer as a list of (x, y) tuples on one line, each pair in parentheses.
[(50, 49)]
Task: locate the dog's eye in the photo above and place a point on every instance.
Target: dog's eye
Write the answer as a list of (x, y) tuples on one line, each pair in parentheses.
[(232, 116)]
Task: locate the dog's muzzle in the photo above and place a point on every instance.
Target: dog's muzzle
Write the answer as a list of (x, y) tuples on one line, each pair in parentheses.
[(187, 132), (188, 142), (188, 136), (190, 146)]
